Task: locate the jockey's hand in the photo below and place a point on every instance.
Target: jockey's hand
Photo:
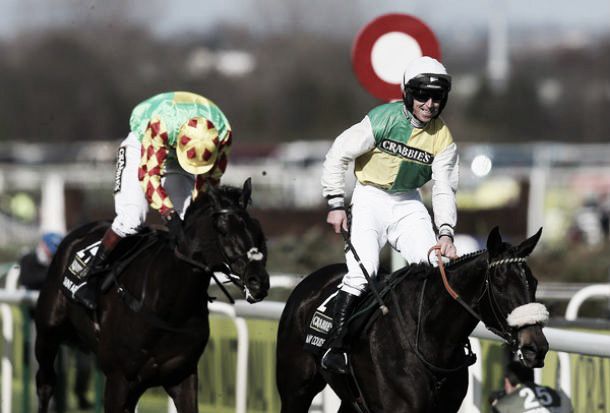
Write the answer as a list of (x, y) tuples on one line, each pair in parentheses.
[(447, 248), (337, 218), (174, 227)]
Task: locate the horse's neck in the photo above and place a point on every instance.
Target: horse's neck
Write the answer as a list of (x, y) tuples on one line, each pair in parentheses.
[(443, 319), (183, 284)]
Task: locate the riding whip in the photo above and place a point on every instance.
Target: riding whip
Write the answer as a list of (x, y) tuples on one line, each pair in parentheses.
[(382, 306)]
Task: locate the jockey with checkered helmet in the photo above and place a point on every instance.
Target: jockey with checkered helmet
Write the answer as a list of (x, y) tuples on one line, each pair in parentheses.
[(178, 146)]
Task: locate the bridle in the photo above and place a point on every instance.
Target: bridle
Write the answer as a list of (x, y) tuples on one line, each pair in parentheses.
[(137, 304), (252, 255), (505, 331)]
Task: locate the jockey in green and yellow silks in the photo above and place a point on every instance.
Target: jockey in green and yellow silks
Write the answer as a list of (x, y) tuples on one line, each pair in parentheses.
[(396, 149)]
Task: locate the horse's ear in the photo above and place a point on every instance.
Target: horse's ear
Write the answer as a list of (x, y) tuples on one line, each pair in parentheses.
[(246, 193), (494, 241), (526, 247)]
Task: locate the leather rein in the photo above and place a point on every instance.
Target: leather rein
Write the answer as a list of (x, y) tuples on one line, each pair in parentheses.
[(137, 304), (470, 357), (504, 332)]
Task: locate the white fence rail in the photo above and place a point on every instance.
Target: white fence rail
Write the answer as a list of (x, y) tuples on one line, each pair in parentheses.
[(559, 340)]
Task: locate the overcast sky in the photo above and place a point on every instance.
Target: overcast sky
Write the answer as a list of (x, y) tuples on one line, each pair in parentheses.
[(176, 16)]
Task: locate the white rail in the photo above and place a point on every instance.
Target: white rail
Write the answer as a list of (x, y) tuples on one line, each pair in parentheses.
[(7, 334), (596, 290), (559, 340)]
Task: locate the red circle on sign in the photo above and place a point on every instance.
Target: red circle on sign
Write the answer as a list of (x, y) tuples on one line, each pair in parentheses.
[(368, 36)]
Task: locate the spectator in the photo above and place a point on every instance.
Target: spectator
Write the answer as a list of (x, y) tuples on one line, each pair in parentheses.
[(588, 226), (522, 395)]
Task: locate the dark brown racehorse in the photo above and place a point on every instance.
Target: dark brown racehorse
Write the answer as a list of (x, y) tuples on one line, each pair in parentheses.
[(413, 359), (151, 326)]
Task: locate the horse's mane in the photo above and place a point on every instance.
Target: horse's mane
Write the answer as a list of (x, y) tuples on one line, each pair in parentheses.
[(420, 271), (464, 258), (223, 193)]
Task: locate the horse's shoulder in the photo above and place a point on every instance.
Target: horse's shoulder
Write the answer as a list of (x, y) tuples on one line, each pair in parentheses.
[(323, 276), (313, 286)]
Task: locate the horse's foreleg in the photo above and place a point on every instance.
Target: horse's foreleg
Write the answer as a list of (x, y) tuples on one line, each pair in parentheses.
[(453, 391), (118, 395), (298, 381), (47, 346), (184, 394)]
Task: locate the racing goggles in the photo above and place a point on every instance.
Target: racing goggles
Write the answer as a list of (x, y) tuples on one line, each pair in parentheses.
[(422, 95)]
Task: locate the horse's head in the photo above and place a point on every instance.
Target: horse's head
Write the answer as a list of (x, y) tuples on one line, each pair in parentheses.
[(508, 306), (222, 234)]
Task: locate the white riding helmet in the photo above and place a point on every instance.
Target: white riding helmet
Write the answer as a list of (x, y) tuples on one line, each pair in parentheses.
[(425, 73)]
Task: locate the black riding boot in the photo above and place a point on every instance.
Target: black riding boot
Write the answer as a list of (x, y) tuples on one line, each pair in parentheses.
[(88, 292), (335, 359)]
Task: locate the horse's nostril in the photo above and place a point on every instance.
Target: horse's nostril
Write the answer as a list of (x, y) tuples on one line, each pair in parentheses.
[(254, 283)]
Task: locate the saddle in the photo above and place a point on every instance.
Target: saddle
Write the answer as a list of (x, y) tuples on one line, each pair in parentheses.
[(320, 327), (126, 251), (362, 317)]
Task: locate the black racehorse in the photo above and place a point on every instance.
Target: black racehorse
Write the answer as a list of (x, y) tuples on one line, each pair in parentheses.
[(413, 359), (152, 326)]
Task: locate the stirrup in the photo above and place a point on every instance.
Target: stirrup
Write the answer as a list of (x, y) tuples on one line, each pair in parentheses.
[(332, 352)]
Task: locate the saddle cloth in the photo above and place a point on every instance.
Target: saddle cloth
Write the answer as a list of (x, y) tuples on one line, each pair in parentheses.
[(126, 250), (71, 281), (321, 322)]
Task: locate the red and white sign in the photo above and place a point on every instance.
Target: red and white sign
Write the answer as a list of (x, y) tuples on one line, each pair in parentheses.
[(385, 46)]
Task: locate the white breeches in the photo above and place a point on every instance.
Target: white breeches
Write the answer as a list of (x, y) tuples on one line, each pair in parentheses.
[(130, 203), (379, 217)]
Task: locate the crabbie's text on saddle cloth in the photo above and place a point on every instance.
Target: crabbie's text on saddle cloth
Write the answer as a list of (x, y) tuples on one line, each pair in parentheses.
[(320, 325), (71, 280)]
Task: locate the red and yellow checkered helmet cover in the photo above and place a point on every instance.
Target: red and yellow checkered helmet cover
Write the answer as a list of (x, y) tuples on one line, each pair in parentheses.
[(197, 145)]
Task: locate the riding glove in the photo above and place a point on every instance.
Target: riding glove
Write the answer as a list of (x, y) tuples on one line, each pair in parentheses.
[(174, 227)]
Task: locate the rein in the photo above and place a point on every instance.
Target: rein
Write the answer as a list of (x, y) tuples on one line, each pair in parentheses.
[(470, 356), (450, 290), (137, 305), (504, 334), (204, 268)]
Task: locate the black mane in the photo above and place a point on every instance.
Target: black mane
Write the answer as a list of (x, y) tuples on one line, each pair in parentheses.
[(219, 197), (421, 271), (465, 257)]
